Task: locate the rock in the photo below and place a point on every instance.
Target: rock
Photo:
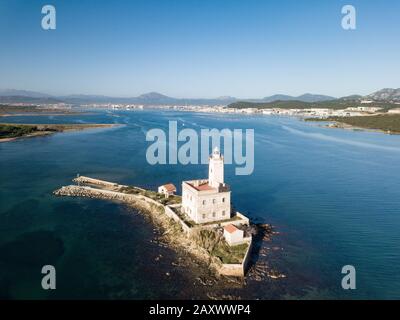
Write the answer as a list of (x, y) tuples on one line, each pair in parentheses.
[(273, 274)]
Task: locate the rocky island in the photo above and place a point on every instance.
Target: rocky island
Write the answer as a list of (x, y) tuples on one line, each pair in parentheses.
[(200, 222)]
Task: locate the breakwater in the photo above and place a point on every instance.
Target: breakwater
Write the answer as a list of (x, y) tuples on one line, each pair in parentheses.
[(90, 192)]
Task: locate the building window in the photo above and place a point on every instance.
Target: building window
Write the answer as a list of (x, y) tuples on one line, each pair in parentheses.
[(213, 214), (213, 200), (223, 212), (223, 199), (204, 202), (204, 216)]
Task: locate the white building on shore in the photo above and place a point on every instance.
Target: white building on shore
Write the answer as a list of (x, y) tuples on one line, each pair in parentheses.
[(208, 200), (167, 189), (233, 235)]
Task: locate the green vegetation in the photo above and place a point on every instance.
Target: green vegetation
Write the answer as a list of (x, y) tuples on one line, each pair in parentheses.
[(152, 195), (14, 131), (231, 254), (333, 104), (6, 109), (216, 246), (34, 110), (270, 105), (189, 222), (22, 130), (386, 122)]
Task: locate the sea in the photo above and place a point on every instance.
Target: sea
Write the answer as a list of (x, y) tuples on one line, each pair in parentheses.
[(332, 196)]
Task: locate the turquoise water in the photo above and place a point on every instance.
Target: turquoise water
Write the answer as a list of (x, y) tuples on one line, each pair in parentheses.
[(332, 194)]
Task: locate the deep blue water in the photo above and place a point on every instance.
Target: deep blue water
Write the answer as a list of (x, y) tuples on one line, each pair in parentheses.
[(332, 194)]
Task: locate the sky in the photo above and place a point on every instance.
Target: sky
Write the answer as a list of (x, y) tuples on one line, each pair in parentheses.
[(200, 48)]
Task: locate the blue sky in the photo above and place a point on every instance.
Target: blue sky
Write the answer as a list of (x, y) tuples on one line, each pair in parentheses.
[(200, 48)]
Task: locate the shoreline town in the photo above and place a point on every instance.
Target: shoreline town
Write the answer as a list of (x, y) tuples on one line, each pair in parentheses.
[(361, 114)]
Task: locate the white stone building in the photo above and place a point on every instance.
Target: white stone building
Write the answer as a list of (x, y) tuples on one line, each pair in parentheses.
[(394, 111), (233, 235), (208, 200), (167, 189)]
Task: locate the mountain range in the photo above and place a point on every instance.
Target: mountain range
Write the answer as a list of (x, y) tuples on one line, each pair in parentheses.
[(386, 95), (155, 98), (307, 97)]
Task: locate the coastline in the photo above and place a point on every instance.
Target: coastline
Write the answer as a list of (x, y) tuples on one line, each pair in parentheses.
[(41, 130), (35, 114), (34, 110), (346, 126), (382, 123)]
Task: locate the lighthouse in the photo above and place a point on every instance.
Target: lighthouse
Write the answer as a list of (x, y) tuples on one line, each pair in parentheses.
[(216, 169), (208, 200)]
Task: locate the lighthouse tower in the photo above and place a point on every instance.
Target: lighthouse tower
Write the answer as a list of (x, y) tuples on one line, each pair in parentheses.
[(208, 200), (216, 169)]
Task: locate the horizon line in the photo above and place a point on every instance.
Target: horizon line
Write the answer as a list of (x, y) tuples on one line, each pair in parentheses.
[(183, 98)]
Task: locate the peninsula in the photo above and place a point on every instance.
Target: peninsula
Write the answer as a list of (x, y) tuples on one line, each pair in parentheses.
[(387, 123), (22, 109), (11, 131), (201, 221)]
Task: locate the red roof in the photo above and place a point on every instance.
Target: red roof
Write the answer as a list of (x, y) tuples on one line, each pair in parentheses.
[(202, 187), (169, 187), (231, 228)]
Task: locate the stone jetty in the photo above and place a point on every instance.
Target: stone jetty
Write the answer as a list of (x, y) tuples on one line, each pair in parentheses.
[(89, 192)]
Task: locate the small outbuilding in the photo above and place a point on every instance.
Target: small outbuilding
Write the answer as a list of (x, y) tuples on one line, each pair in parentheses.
[(167, 189), (233, 235)]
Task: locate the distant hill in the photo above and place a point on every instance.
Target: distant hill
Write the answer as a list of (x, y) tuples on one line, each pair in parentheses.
[(387, 94), (332, 104), (307, 97), (28, 100), (86, 99), (293, 104), (22, 93), (155, 98), (353, 97), (278, 97), (151, 98)]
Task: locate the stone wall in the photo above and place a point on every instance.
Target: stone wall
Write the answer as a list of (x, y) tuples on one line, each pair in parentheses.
[(170, 213), (88, 192), (238, 269), (83, 179)]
